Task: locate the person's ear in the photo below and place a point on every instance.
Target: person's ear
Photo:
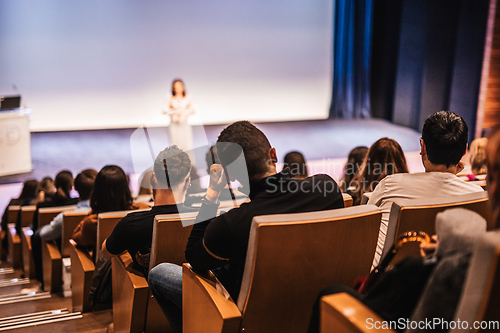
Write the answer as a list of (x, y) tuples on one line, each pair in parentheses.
[(272, 155), (423, 148), (187, 183)]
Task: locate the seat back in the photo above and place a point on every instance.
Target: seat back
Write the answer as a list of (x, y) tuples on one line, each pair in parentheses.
[(170, 238), (348, 201), (46, 215), (366, 196), (70, 220), (420, 215), (27, 213), (479, 300), (106, 222), (13, 211), (291, 257)]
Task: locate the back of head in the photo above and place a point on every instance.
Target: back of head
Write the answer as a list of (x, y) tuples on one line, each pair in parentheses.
[(478, 156), (171, 168), (63, 183), (111, 191), (84, 182), (385, 157), (296, 162), (445, 137), (354, 162), (46, 185), (29, 189), (251, 140)]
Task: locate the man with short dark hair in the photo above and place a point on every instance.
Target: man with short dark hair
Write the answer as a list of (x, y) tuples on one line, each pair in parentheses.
[(221, 242), (443, 144), (133, 233)]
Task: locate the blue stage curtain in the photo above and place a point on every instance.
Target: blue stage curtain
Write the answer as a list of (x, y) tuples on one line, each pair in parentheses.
[(351, 59)]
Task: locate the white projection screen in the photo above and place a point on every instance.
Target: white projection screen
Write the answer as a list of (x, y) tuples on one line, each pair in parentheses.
[(93, 64)]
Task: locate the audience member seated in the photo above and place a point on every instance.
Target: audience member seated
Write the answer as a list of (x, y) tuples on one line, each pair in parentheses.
[(351, 168), (220, 243), (397, 293), (134, 232), (110, 193), (443, 143), (63, 185), (28, 194), (224, 195), (46, 190), (385, 157), (478, 158), (84, 183), (296, 162)]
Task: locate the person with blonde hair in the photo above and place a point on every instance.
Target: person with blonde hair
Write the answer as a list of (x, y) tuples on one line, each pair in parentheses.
[(478, 157)]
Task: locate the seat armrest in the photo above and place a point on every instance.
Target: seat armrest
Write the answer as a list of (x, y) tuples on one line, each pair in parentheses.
[(205, 308), (343, 313), (130, 295), (82, 269)]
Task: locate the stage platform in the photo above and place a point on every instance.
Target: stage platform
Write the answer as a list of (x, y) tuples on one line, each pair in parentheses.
[(324, 143)]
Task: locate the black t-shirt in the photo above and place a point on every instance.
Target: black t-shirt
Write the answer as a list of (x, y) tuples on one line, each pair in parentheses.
[(134, 233), (222, 242)]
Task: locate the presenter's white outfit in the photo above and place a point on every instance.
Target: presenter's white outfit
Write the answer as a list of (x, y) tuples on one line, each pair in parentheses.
[(181, 133)]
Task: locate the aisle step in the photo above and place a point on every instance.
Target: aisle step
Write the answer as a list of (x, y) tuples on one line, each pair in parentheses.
[(12, 286), (23, 297), (38, 318)]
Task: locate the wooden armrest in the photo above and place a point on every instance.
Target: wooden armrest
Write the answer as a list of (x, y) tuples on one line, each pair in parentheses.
[(343, 313), (26, 252), (130, 295), (82, 269), (52, 267), (204, 307)]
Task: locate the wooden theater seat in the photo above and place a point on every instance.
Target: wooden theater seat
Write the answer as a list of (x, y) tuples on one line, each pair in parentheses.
[(348, 201), (14, 242), (82, 264), (45, 216), (420, 215), (290, 258), (82, 268), (365, 198), (134, 308), (479, 300), (51, 254), (26, 259), (27, 213), (12, 213)]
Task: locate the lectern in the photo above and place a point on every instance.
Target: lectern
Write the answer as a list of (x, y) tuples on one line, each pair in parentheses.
[(15, 142)]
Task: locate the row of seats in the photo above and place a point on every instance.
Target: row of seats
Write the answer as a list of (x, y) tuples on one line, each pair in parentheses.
[(278, 289)]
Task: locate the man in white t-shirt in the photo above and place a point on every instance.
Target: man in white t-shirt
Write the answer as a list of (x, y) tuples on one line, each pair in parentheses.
[(443, 144)]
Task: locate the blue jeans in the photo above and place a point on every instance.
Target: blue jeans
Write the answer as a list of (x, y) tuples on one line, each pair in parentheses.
[(165, 282)]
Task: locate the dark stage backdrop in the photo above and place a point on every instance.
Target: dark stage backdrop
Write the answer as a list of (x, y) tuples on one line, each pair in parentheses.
[(427, 56)]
